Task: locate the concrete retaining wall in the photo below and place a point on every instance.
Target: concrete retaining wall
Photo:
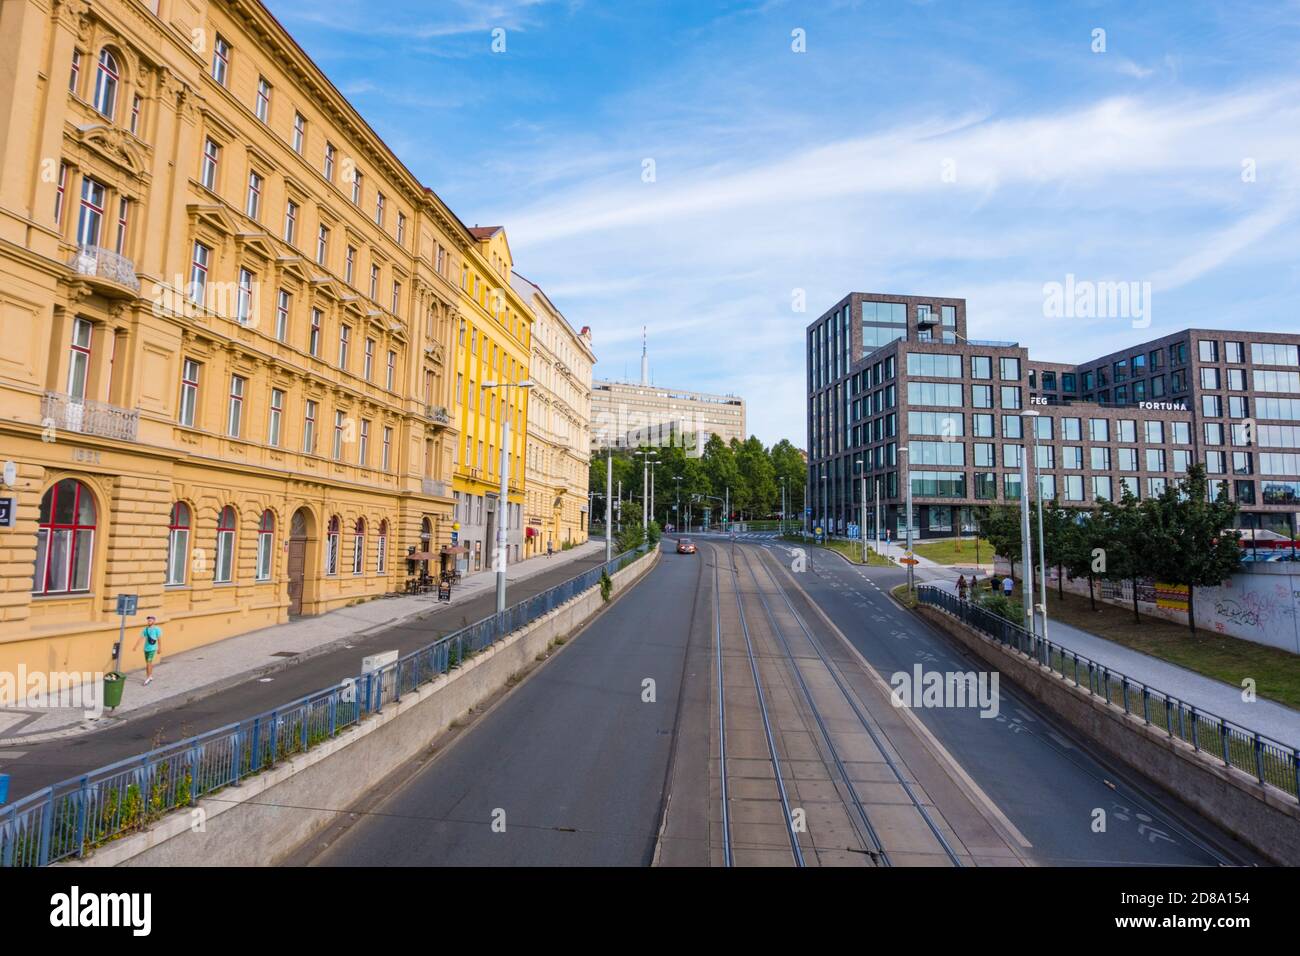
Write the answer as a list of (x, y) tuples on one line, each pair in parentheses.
[(267, 816), (1260, 816)]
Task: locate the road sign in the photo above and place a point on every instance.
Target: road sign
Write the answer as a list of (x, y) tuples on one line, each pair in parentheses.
[(807, 511), (455, 537), (127, 603), (8, 512), (908, 561)]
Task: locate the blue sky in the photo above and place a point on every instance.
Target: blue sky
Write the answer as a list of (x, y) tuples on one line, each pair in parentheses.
[(976, 150)]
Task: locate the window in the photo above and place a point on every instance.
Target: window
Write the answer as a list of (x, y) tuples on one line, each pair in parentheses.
[(1012, 426), (1155, 459), (106, 84), (934, 393), (986, 486), (1211, 406), (374, 281), (309, 428), (1214, 462), (1207, 350), (91, 220), (381, 560), (299, 132), (359, 547), (332, 547), (220, 60), (982, 426), (345, 341), (339, 423), (387, 449), (225, 564), (313, 333), (1073, 487), (1126, 430), (401, 230), (330, 154), (189, 391), (984, 454), (136, 105), (211, 162), (1238, 407), (363, 448), (1266, 353), (74, 75), (369, 365), (235, 416), (379, 209), (283, 302), (79, 359), (265, 546), (1268, 381), (1101, 487), (277, 413), (60, 193), (1009, 369), (322, 243), (934, 365), (263, 107), (1209, 374), (1010, 396), (123, 218), (65, 539), (1098, 429), (244, 309), (397, 296), (350, 264), (178, 544), (356, 186), (290, 221), (392, 369)]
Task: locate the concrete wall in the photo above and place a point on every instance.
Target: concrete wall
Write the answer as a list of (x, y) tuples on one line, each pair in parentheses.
[(266, 817), (1260, 816), (1260, 604)]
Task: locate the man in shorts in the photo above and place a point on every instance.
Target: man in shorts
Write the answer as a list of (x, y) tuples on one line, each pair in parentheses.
[(151, 635)]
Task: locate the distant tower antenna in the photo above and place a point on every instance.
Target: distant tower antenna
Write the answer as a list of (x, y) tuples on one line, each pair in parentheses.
[(645, 359)]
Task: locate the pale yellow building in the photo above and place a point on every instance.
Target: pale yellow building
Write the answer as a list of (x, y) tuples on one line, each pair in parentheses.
[(559, 427), (229, 318)]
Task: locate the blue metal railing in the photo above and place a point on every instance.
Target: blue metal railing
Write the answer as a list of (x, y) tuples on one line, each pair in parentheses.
[(1268, 760), (78, 814)]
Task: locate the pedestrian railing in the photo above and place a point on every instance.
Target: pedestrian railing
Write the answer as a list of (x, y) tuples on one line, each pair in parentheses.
[(81, 813), (1268, 760)]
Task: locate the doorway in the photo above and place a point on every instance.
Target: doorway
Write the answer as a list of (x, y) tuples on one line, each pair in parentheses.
[(300, 527)]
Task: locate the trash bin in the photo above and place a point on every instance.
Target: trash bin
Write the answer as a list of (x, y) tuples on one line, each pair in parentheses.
[(114, 682)]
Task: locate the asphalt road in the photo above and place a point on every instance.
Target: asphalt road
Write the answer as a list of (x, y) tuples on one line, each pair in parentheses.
[(53, 761), (574, 761), (1045, 780)]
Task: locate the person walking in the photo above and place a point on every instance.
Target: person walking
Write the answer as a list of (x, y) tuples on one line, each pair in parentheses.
[(1008, 585), (550, 547), (961, 587), (151, 636)]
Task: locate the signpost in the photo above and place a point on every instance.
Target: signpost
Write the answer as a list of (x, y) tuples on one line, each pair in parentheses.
[(8, 512), (126, 606)]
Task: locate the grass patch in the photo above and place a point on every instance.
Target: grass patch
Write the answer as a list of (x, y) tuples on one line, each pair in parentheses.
[(850, 549), (1229, 659), (954, 551), (903, 596)]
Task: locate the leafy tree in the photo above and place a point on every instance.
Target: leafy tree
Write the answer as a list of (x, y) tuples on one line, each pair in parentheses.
[(1127, 542), (999, 525), (1058, 523), (758, 478), (1191, 541)]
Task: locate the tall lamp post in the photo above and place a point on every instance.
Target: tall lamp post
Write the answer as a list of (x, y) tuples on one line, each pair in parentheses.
[(645, 485), (907, 479), (677, 503), (1042, 551), (782, 480), (503, 519), (1026, 547), (653, 466), (862, 528), (609, 505)]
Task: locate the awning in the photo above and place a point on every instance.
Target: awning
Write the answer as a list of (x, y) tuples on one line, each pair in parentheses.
[(454, 549), (421, 556)]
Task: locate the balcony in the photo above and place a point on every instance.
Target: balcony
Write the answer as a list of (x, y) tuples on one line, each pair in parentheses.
[(437, 414), (90, 418), (435, 488), (112, 273)]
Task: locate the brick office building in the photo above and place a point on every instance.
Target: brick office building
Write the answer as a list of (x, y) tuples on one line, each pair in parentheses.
[(888, 373)]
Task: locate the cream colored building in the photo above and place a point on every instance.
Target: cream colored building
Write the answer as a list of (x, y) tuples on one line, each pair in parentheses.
[(624, 414), (559, 427), (230, 322)]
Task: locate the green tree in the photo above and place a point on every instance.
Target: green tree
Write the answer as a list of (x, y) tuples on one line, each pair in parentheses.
[(1127, 543), (1192, 541), (758, 478), (1058, 523), (1083, 550), (999, 525)]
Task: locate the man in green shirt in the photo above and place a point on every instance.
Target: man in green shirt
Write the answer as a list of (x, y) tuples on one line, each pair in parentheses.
[(151, 635)]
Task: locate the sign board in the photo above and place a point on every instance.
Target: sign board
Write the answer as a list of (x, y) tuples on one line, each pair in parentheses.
[(8, 512), (455, 537), (4, 787), (127, 603), (908, 561)]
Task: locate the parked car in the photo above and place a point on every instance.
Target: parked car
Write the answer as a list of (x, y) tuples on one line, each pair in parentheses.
[(685, 546)]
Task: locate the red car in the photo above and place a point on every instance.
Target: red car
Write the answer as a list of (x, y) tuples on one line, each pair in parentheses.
[(685, 546)]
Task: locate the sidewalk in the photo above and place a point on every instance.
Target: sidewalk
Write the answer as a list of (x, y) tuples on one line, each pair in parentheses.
[(201, 672), (1262, 716)]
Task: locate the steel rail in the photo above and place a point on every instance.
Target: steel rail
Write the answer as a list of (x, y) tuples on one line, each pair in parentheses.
[(722, 718)]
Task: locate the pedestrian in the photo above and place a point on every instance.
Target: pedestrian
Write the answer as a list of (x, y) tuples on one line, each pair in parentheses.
[(550, 547), (961, 587), (1008, 585), (151, 635)]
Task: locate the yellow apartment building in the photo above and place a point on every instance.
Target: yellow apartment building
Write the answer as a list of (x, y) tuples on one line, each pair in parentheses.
[(229, 318), (558, 456), (493, 332)]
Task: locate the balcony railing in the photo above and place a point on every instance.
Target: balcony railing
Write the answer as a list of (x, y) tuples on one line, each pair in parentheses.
[(437, 413), (90, 418), (100, 263)]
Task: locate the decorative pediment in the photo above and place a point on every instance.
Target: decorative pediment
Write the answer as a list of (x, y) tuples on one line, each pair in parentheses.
[(292, 267), (257, 243), (116, 146), (213, 216)]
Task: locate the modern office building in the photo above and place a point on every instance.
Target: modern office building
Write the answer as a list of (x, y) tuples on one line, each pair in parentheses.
[(558, 454), (888, 373), (624, 413), (229, 320)]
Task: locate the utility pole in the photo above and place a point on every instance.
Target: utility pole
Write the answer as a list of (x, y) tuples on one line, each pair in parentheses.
[(1026, 548), (503, 506), (1042, 552), (609, 505), (862, 527), (877, 511), (907, 477)]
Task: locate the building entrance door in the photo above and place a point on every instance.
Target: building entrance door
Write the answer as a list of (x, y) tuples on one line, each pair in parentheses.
[(297, 560)]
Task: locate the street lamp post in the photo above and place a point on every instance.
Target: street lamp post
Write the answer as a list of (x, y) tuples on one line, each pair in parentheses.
[(877, 514), (907, 478), (503, 518), (782, 480), (645, 488), (609, 505), (677, 502), (862, 528), (1026, 548), (1042, 551)]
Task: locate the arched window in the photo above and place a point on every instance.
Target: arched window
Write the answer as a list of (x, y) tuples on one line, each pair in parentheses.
[(178, 543), (382, 564), (65, 539), (225, 546), (265, 543), (332, 547), (106, 84), (359, 547)]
